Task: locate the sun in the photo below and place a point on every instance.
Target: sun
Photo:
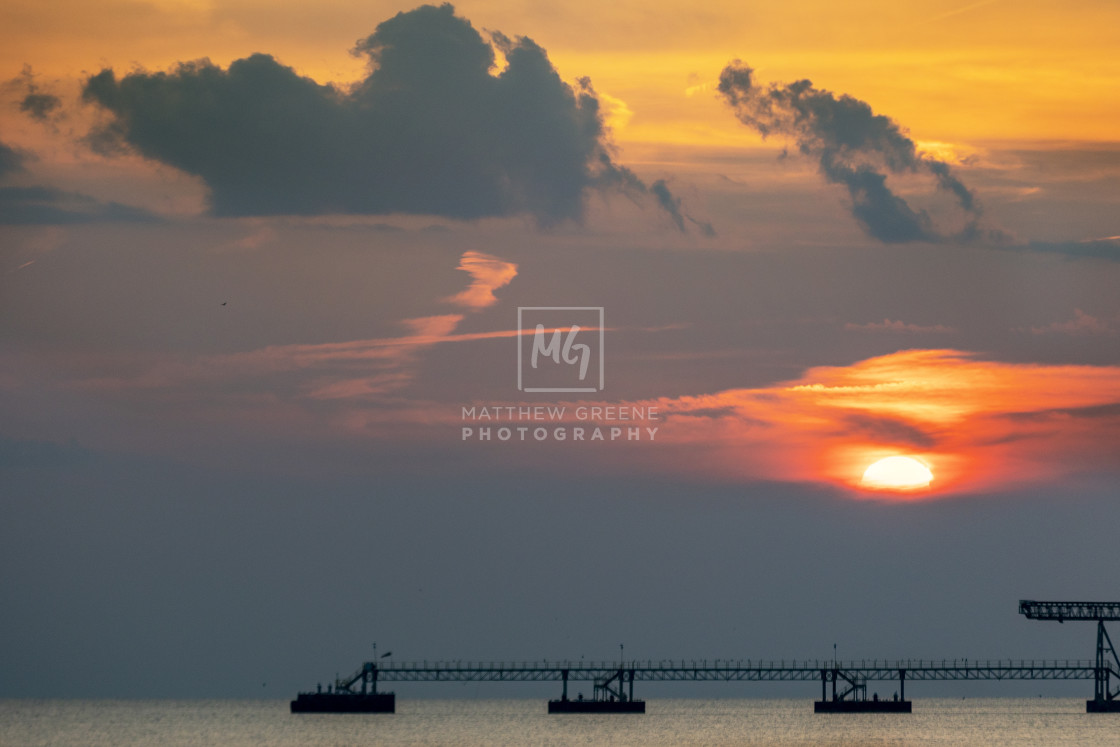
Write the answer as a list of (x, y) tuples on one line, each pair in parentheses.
[(897, 473)]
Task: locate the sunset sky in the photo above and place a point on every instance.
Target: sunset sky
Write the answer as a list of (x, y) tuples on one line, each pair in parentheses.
[(258, 260)]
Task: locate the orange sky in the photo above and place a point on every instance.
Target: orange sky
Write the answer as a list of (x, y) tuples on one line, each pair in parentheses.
[(950, 71), (954, 73)]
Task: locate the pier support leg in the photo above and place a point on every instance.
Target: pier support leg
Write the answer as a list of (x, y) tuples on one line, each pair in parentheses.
[(1100, 689), (564, 674), (1104, 700), (902, 684)]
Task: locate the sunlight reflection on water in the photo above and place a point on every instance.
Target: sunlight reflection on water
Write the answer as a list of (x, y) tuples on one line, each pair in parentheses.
[(993, 721)]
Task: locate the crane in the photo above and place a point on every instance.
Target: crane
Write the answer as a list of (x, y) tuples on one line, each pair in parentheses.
[(1108, 662)]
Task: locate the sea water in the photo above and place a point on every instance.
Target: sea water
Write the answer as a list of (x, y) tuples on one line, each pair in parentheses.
[(168, 723)]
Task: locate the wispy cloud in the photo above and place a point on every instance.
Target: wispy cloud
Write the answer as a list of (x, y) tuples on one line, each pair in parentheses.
[(898, 326), (374, 355), (1081, 324), (1103, 248), (367, 368), (963, 9), (488, 274), (37, 103)]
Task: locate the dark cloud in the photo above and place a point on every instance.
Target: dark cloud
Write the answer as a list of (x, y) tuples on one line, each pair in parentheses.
[(46, 205), (35, 102), (855, 148), (11, 160), (431, 130), (673, 206), (40, 106), (669, 203)]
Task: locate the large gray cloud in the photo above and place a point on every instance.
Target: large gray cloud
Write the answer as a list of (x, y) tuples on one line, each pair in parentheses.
[(430, 130), (855, 148)]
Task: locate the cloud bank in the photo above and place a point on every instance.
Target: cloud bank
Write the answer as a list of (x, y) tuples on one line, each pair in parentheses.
[(11, 160), (855, 148), (433, 129), (38, 205)]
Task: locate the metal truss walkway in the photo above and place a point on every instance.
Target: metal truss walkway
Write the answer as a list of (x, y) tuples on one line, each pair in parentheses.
[(734, 670)]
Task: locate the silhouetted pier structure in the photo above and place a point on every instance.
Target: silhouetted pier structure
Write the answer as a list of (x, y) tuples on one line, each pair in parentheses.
[(1104, 699), (843, 683)]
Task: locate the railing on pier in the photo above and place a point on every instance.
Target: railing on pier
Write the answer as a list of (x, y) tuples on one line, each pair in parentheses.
[(735, 670)]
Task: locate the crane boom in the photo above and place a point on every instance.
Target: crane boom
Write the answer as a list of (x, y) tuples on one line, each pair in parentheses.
[(1062, 611)]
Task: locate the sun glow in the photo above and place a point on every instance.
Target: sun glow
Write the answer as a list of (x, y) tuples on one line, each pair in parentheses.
[(897, 473)]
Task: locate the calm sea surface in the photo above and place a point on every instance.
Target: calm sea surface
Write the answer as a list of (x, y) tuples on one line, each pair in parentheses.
[(1042, 721)]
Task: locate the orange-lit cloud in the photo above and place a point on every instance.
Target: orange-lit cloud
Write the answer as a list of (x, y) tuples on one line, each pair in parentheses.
[(976, 423), (488, 273)]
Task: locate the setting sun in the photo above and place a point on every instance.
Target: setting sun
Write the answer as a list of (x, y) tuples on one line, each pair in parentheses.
[(897, 473)]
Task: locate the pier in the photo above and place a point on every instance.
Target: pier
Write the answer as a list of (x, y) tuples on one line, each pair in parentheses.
[(843, 683)]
